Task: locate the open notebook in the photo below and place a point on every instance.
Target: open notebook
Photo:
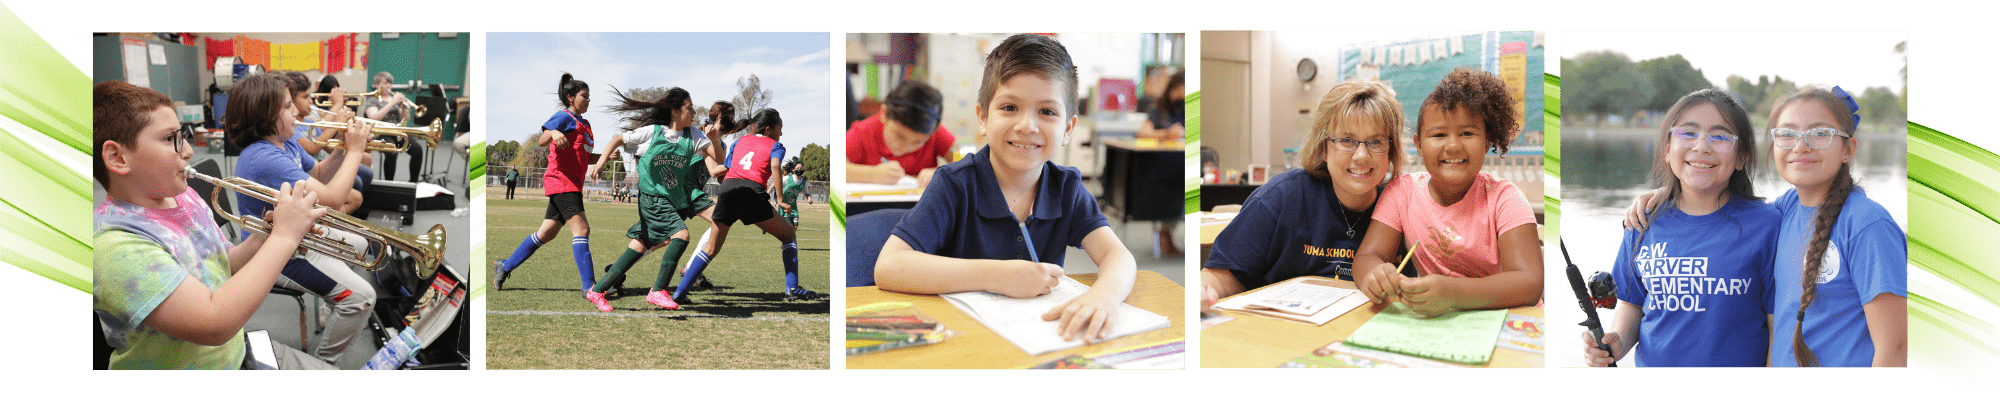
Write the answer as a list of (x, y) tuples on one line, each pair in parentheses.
[(1465, 337), (1020, 320)]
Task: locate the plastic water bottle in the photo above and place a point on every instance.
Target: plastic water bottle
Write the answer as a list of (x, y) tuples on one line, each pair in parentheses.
[(396, 352)]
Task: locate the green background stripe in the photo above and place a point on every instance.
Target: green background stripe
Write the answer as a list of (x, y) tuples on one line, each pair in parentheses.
[(1951, 225)]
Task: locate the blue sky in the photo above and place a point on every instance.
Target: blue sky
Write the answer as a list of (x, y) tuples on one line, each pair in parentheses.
[(523, 68)]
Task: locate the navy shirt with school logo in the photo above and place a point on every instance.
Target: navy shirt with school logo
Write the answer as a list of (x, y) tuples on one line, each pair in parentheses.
[(1292, 226), (963, 214), (1703, 284)]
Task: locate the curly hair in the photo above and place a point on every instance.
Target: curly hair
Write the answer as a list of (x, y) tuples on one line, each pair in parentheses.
[(1486, 96)]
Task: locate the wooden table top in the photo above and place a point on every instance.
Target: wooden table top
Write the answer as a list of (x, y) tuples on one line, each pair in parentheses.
[(978, 347), (1256, 341)]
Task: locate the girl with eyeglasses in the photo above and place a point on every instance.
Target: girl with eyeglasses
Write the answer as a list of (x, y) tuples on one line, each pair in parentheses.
[(1473, 234), (1694, 286), (1838, 272), (1840, 268), (1308, 222)]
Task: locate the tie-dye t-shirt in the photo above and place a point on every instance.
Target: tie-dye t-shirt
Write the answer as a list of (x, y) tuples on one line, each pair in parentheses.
[(141, 256)]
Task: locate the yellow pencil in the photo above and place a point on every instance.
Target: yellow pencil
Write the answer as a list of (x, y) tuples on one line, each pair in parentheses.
[(1400, 267)]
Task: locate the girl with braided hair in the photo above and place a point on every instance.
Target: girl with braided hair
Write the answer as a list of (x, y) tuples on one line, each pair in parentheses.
[(1840, 266)]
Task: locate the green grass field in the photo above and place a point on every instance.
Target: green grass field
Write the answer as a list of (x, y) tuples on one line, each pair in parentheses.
[(541, 321)]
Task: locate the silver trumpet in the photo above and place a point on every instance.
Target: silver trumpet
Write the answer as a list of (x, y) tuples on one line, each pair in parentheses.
[(427, 249)]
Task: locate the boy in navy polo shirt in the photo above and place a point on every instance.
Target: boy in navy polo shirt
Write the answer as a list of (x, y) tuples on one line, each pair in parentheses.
[(999, 220)]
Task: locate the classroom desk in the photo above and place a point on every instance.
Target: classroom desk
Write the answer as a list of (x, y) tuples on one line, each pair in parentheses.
[(1256, 341), (1138, 189), (861, 204), (1214, 194), (1209, 230), (978, 347)]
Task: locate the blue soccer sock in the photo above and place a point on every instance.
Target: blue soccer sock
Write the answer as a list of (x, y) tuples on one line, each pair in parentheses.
[(695, 265), (580, 247), (522, 252), (791, 250)]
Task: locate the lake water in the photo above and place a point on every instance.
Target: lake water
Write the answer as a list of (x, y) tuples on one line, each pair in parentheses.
[(1604, 168)]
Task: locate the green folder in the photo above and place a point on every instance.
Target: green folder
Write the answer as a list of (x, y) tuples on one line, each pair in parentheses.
[(1465, 337)]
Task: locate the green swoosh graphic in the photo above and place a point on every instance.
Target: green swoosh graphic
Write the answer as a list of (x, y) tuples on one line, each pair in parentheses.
[(1191, 187), (1552, 157), (1954, 213), (477, 200), (44, 106)]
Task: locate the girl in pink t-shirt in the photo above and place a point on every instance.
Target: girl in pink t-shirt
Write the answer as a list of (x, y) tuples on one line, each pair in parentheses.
[(1473, 233)]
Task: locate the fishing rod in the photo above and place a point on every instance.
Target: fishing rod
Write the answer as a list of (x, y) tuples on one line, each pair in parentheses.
[(1598, 283)]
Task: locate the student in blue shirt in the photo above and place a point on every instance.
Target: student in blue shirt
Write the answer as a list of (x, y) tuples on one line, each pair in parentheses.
[(1694, 285), (999, 220), (1852, 314), (1310, 221), (1841, 263), (261, 122)]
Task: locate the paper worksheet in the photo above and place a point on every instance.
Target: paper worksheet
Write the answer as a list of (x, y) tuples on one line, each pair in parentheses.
[(1020, 320), (905, 184), (1465, 337), (1312, 301)]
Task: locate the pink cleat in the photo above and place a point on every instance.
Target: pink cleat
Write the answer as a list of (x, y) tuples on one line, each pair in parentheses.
[(662, 299), (597, 299)]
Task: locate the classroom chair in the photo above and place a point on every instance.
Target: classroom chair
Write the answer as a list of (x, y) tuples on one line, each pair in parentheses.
[(865, 235)]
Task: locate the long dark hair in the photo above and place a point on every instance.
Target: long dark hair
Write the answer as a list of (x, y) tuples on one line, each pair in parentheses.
[(657, 112), (1827, 215), (1738, 120), (724, 115), (569, 87), (327, 83), (764, 119), (1166, 101), (1746, 155)]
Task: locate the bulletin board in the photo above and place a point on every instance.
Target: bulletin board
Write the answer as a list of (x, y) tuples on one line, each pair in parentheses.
[(1414, 67), (421, 56), (178, 75)]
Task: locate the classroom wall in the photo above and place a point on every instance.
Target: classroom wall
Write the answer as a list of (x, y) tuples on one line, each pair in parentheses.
[(179, 78), (1225, 96), (352, 79)]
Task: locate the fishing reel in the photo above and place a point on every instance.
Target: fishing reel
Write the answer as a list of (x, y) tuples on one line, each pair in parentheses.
[(1603, 291)]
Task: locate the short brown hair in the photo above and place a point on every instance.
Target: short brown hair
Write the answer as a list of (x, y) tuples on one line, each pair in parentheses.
[(1026, 53), (119, 111), (1373, 99), (253, 109), (1482, 93)]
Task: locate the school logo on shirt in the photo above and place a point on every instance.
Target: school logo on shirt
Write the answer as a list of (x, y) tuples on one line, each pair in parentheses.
[(1680, 283), (1316, 251), (1829, 266)]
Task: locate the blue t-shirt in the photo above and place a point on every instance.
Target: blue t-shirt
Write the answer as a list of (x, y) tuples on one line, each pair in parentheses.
[(964, 215), (1703, 283), (270, 165), (1867, 256), (1292, 226)]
